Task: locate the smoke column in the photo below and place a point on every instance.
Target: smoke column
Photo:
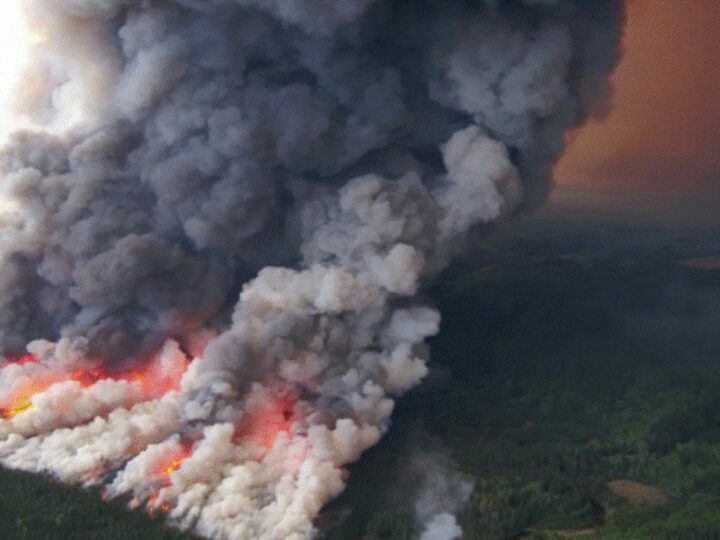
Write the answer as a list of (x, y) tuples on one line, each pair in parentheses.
[(441, 494), (223, 212)]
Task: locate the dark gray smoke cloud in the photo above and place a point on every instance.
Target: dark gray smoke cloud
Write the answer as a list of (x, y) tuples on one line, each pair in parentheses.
[(227, 129), (328, 155)]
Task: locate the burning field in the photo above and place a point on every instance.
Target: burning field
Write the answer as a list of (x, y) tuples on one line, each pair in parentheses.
[(219, 218)]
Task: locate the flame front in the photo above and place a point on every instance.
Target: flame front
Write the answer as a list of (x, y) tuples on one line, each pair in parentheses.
[(28, 378), (21, 400), (20, 406)]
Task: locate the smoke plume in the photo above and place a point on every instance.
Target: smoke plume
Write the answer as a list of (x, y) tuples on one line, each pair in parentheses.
[(443, 492), (224, 211)]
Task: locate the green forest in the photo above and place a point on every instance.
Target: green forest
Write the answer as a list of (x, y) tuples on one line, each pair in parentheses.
[(572, 355)]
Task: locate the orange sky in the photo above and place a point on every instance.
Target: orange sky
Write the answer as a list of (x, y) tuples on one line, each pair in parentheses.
[(663, 134)]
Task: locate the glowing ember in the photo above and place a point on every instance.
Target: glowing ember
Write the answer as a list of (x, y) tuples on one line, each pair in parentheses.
[(172, 463), (153, 505)]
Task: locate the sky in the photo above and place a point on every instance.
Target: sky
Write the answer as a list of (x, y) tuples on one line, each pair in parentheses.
[(662, 138)]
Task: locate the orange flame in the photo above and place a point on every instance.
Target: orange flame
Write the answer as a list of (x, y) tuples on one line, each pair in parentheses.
[(154, 377), (154, 505), (163, 471), (22, 400), (26, 359), (172, 463), (157, 378), (24, 404), (20, 360), (265, 425), (88, 377)]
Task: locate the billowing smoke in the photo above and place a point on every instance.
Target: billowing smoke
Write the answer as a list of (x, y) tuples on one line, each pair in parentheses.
[(320, 160), (442, 494)]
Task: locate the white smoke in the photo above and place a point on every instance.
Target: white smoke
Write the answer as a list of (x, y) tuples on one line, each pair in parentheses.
[(320, 159), (442, 493)]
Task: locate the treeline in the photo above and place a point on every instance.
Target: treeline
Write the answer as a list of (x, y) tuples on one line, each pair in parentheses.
[(36, 508)]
